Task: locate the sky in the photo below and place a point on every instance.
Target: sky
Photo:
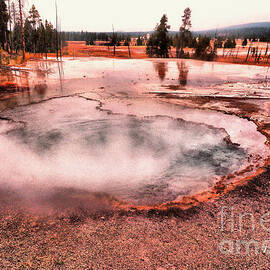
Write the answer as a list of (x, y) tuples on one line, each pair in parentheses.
[(143, 15)]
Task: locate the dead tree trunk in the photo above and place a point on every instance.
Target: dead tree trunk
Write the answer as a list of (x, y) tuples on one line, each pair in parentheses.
[(10, 34), (129, 51), (237, 52), (259, 56), (268, 58), (256, 53), (114, 41), (266, 50), (249, 48), (56, 34)]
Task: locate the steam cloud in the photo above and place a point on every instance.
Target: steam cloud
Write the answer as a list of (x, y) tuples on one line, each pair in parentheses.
[(143, 160)]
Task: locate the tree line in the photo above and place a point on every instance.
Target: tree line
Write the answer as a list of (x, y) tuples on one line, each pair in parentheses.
[(205, 47), (20, 32), (109, 38), (160, 42), (87, 36), (251, 33)]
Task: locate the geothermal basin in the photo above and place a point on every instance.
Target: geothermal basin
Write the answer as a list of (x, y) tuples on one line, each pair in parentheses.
[(100, 125)]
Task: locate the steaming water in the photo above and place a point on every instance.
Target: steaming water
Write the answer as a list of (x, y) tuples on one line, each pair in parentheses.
[(148, 153), (143, 160)]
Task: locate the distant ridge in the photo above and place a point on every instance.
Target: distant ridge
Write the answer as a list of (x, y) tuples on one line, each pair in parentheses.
[(240, 26), (255, 30), (222, 29), (241, 30)]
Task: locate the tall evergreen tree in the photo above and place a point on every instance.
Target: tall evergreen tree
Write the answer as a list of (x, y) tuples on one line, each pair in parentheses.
[(10, 43), (139, 41), (50, 37), (41, 44), (17, 42), (159, 42), (28, 33), (35, 21), (14, 14), (185, 37), (22, 32), (34, 17), (3, 24)]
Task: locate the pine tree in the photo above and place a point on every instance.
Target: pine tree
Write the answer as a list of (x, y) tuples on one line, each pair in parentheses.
[(28, 33), (34, 17), (186, 19), (22, 32), (202, 49), (230, 43), (35, 21), (50, 33), (244, 44), (185, 36), (3, 24), (139, 41), (41, 44), (159, 42), (14, 13), (17, 42)]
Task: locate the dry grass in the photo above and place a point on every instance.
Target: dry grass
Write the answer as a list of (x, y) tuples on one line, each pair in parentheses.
[(79, 49)]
